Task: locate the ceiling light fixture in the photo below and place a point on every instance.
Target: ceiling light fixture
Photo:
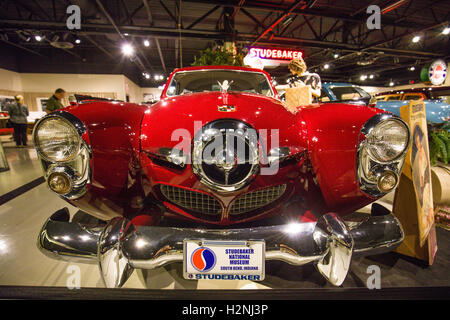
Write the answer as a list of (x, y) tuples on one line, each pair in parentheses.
[(127, 49), (416, 39), (446, 30), (326, 66), (38, 37), (146, 43)]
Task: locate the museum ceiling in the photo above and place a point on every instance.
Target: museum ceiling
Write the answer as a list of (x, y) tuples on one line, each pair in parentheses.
[(332, 33)]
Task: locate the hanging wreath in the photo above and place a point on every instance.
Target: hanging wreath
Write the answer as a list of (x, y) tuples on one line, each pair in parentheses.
[(218, 57)]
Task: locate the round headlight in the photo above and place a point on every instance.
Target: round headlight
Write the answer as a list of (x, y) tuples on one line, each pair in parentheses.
[(388, 140), (56, 139)]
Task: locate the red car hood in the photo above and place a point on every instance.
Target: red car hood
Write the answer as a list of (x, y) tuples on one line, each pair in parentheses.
[(171, 114)]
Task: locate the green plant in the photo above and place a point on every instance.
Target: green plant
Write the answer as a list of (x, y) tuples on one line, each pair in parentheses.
[(439, 140), (218, 57)]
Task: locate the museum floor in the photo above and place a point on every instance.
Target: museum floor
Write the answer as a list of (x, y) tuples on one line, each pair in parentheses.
[(25, 206)]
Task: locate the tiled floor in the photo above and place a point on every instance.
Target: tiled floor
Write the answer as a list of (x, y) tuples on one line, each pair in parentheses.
[(21, 263), (23, 165)]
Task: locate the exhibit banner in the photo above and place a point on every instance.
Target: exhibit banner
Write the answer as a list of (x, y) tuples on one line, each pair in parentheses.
[(260, 57), (413, 203)]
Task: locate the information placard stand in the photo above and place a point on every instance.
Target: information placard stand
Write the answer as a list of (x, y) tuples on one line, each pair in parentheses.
[(413, 202), (3, 162)]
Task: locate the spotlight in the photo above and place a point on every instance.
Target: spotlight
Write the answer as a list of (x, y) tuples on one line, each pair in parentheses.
[(127, 49), (416, 39), (77, 41), (147, 76), (412, 68), (391, 84), (146, 43), (363, 77), (126, 34), (371, 76), (336, 55), (446, 30), (38, 37), (326, 66)]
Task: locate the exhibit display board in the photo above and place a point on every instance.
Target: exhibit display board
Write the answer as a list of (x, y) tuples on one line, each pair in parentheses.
[(413, 203)]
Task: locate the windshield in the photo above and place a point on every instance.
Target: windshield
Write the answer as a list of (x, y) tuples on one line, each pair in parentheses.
[(185, 82), (348, 93)]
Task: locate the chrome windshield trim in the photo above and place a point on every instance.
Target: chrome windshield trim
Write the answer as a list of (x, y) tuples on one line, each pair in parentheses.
[(272, 93)]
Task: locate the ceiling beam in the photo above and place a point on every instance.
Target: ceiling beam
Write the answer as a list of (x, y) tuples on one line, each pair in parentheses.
[(273, 25), (167, 33), (281, 8), (193, 24), (99, 47), (149, 13), (21, 47), (160, 54)]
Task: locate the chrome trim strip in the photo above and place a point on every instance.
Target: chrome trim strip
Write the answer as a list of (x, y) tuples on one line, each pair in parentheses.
[(206, 70)]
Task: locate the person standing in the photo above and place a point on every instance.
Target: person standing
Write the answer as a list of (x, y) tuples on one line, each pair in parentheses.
[(54, 102), (18, 113)]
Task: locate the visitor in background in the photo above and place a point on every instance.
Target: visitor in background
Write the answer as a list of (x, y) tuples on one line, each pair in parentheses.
[(18, 113), (302, 77), (54, 102)]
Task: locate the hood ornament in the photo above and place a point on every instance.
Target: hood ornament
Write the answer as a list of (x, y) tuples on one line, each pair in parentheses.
[(225, 85)]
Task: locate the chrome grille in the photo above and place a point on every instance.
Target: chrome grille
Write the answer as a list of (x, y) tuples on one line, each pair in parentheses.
[(256, 199), (191, 200)]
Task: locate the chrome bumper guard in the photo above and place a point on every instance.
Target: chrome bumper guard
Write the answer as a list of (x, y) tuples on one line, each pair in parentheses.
[(120, 247)]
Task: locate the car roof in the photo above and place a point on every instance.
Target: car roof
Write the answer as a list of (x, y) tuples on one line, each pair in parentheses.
[(338, 84), (220, 68)]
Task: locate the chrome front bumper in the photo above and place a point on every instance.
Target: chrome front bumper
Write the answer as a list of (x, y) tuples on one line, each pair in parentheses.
[(120, 247)]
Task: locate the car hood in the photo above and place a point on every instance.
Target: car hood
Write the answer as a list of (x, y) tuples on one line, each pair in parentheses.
[(167, 120)]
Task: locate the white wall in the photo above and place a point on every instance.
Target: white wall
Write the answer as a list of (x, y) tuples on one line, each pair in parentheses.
[(43, 82), (155, 91), (10, 80), (132, 90), (46, 83)]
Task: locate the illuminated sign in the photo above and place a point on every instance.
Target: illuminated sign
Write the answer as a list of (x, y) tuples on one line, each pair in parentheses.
[(437, 72), (274, 54), (260, 58)]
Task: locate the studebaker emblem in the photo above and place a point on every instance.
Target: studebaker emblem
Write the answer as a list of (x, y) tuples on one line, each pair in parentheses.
[(225, 108)]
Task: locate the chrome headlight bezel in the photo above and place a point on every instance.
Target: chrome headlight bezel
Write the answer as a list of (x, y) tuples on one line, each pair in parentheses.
[(77, 167), (72, 122), (370, 137), (369, 168)]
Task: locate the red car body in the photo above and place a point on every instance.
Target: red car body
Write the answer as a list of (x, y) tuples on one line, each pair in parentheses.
[(129, 165), (126, 181)]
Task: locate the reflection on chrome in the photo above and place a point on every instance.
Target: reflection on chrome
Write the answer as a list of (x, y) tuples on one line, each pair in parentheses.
[(121, 247)]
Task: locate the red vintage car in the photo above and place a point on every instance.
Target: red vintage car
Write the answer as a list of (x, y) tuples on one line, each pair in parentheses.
[(221, 176)]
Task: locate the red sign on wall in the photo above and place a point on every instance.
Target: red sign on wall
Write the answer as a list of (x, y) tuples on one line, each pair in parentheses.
[(274, 54)]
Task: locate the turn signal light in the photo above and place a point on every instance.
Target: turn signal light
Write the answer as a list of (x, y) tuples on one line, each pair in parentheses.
[(387, 181), (59, 183)]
